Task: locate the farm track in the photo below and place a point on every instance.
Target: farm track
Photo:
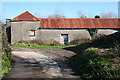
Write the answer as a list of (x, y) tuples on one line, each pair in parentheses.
[(34, 69)]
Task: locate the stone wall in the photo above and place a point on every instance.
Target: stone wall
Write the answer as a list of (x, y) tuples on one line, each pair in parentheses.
[(106, 31), (20, 30), (55, 34)]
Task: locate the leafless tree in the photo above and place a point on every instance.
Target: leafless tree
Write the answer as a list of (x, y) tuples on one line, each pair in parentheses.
[(81, 15), (108, 15), (38, 15), (58, 14), (1, 22)]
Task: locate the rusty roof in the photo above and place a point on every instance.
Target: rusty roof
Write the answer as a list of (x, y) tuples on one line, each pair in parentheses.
[(72, 23), (76, 23), (26, 16)]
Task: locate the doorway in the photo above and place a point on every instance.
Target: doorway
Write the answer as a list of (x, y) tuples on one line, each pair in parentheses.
[(64, 39)]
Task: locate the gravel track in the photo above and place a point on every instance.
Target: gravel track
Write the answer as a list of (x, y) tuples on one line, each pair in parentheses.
[(61, 56)]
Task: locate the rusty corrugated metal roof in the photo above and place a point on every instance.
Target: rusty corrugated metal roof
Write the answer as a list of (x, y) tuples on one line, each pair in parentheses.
[(26, 16), (79, 23), (72, 23)]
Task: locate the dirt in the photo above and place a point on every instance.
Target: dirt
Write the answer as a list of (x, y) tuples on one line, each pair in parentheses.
[(25, 68), (31, 67), (62, 57)]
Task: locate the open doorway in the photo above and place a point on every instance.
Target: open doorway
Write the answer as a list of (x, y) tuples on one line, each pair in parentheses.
[(64, 39)]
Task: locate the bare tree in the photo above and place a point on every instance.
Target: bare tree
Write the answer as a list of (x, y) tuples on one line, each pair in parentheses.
[(81, 15), (108, 15), (0, 20), (38, 15), (0, 23), (58, 14)]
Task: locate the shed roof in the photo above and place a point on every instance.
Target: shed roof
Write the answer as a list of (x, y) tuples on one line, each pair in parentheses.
[(79, 23), (72, 23), (26, 16)]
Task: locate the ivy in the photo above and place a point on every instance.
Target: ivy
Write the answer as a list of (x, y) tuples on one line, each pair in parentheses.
[(93, 32)]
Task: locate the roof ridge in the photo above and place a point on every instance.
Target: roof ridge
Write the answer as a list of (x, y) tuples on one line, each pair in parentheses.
[(26, 12), (81, 23), (20, 15), (78, 18), (32, 15)]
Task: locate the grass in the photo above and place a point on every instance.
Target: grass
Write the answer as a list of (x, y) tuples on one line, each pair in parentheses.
[(6, 63), (29, 45)]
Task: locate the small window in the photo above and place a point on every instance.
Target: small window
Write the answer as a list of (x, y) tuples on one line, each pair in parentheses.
[(32, 33)]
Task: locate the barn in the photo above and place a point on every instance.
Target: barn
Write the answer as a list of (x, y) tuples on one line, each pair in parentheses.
[(26, 27)]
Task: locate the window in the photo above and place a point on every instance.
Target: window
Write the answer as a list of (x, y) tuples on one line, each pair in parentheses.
[(32, 33)]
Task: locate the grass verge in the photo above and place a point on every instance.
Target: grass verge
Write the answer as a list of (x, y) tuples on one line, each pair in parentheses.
[(29, 45)]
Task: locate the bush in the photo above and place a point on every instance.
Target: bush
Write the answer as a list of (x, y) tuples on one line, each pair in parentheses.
[(51, 43), (21, 42), (36, 42), (100, 58), (90, 64), (101, 35), (93, 32), (6, 63), (78, 41), (6, 54)]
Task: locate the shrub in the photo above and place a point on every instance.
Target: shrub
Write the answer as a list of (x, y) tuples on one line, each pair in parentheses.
[(22, 42), (93, 32), (6, 63), (6, 54), (36, 42), (92, 65), (101, 35), (78, 41), (5, 45), (27, 42), (51, 43)]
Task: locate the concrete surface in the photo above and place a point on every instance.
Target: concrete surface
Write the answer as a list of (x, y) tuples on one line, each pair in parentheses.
[(49, 66), (42, 63)]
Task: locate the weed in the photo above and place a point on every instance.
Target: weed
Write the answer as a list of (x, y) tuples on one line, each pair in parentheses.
[(30, 45)]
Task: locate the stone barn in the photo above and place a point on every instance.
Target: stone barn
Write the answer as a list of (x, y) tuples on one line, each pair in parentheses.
[(27, 27)]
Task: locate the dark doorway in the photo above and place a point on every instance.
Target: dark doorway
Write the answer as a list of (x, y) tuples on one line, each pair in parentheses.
[(64, 39)]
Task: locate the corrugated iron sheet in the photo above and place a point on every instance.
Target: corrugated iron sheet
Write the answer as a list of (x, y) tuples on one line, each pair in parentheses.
[(80, 23), (72, 23)]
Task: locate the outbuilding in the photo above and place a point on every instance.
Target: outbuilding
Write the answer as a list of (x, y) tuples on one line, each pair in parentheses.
[(27, 27)]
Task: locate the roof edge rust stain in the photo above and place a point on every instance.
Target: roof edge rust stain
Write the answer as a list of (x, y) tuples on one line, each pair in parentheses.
[(67, 23)]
